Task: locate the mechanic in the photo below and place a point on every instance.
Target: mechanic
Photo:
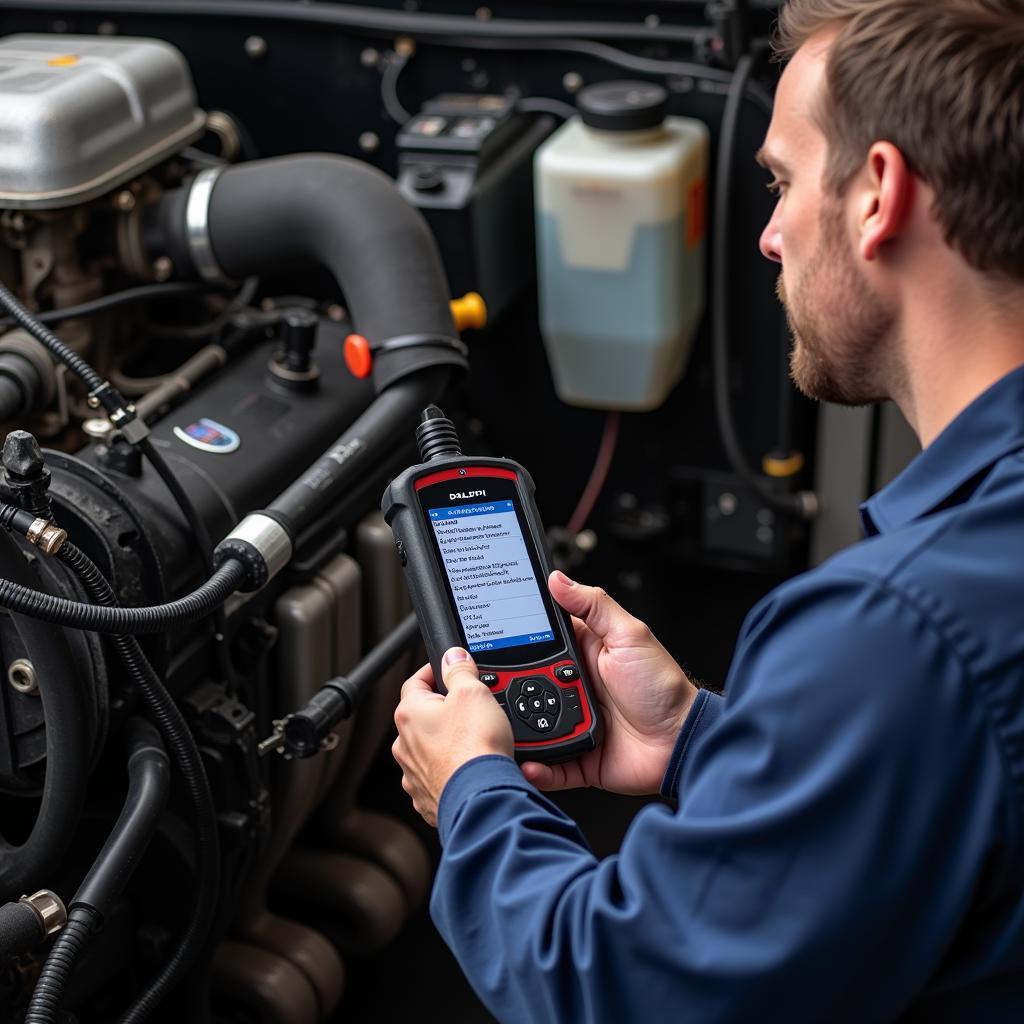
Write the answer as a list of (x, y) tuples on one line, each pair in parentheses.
[(847, 842)]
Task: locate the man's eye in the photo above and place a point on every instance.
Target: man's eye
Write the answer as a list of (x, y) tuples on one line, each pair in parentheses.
[(775, 187)]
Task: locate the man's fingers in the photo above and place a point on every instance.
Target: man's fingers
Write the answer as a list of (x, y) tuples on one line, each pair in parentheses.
[(551, 777), (459, 669), (591, 604)]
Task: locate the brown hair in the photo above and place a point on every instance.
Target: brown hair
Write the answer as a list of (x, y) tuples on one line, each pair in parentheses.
[(943, 80)]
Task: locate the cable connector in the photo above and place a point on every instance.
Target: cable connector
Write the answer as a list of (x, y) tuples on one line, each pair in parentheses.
[(120, 412), (307, 733), (40, 532), (45, 536), (261, 544), (49, 909)]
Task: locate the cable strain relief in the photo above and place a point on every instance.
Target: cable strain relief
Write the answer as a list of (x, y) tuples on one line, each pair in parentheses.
[(436, 435)]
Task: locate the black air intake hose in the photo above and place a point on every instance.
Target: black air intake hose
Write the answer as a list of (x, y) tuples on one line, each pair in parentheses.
[(319, 209)]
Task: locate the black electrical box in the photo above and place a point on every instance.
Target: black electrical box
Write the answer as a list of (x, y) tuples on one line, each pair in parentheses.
[(467, 162)]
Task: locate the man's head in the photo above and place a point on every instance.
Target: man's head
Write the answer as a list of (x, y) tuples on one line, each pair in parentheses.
[(898, 130)]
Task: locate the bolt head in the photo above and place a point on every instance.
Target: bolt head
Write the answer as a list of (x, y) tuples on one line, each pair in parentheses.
[(22, 676), (255, 47), (162, 268), (572, 81)]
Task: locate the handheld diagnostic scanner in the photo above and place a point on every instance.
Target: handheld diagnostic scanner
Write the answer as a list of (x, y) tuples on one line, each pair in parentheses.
[(472, 546)]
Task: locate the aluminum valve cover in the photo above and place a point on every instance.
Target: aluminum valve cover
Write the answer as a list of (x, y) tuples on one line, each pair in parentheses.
[(81, 114)]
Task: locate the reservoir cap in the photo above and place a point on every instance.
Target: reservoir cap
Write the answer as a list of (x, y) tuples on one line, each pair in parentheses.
[(623, 106)]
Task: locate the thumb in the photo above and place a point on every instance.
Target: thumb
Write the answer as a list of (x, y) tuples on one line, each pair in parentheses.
[(602, 615), (458, 669), (541, 775)]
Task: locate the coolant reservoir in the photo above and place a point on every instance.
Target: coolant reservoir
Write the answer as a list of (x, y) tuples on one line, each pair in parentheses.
[(620, 235)]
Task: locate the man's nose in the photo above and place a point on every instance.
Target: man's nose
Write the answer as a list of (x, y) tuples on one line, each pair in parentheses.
[(770, 242)]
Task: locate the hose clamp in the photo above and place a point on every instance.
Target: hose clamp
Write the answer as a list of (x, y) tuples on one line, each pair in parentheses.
[(197, 226)]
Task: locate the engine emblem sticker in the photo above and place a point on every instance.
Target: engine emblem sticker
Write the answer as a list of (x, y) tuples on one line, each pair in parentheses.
[(209, 436)]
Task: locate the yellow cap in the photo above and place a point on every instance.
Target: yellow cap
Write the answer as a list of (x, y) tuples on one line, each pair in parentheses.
[(469, 311), (783, 467), (66, 60)]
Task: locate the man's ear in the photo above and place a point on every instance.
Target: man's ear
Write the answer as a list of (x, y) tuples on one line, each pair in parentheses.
[(886, 198)]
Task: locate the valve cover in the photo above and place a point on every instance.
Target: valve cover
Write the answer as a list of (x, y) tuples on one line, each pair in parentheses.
[(81, 114)]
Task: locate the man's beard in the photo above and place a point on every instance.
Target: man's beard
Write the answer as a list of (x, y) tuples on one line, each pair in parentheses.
[(843, 348)]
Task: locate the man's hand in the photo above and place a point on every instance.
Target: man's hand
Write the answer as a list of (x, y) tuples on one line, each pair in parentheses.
[(437, 735), (643, 694)]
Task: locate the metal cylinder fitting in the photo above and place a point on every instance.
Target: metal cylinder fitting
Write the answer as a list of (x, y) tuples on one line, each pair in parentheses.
[(50, 910), (261, 544), (49, 538)]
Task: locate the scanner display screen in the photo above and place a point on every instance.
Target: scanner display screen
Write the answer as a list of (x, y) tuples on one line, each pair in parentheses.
[(492, 580)]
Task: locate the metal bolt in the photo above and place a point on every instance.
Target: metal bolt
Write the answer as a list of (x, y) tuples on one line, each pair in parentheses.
[(369, 142), (586, 541), (22, 676), (765, 535), (124, 201), (369, 57), (337, 313), (255, 47), (106, 28), (572, 81), (163, 268), (652, 21), (484, 13), (405, 46), (727, 503)]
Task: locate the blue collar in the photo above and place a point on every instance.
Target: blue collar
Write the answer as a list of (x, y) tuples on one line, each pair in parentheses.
[(989, 428)]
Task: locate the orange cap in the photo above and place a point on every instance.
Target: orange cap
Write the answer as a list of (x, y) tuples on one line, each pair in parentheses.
[(358, 357), (469, 311)]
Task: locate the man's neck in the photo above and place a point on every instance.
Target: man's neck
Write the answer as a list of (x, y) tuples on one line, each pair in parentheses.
[(958, 338)]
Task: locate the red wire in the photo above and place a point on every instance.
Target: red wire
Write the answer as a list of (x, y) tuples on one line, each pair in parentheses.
[(598, 474)]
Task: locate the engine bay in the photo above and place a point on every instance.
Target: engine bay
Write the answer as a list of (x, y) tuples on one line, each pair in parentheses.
[(262, 237)]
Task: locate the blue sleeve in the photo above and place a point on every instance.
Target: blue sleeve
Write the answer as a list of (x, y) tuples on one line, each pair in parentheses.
[(832, 824)]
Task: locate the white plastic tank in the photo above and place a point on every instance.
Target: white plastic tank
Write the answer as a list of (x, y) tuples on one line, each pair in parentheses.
[(621, 201)]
